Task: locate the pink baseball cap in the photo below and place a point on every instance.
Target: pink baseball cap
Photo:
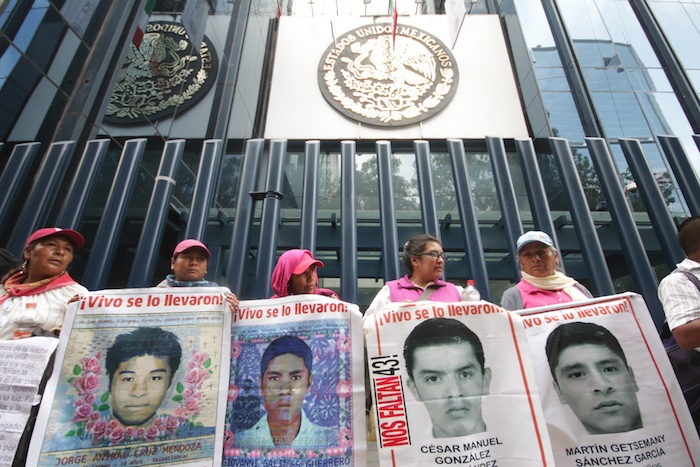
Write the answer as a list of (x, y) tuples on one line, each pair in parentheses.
[(75, 238), (190, 243), (304, 262)]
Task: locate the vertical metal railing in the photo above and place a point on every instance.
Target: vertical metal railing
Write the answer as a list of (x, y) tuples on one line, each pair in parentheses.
[(309, 199), (204, 189), (106, 241), (387, 212), (467, 214), (77, 198), (245, 204), (144, 264), (426, 189), (683, 171), (591, 249), (536, 194), (510, 213), (630, 240), (648, 186), (14, 176), (269, 223), (42, 195), (348, 223)]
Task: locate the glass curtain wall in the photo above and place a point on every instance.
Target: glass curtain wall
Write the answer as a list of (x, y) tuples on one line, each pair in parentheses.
[(626, 85)]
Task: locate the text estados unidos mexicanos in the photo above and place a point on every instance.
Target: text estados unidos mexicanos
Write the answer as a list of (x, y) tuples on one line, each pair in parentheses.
[(467, 453), (106, 301), (168, 452), (576, 313), (619, 453), (438, 311), (286, 310), (286, 462)]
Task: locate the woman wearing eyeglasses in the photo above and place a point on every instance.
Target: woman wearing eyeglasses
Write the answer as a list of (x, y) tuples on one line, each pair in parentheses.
[(424, 260)]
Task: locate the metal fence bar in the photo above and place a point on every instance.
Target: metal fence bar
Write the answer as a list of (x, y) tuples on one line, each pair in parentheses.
[(426, 189), (309, 200), (467, 214), (13, 178), (269, 223), (348, 223), (204, 189), (510, 213), (536, 194), (683, 171), (387, 212), (245, 204), (144, 264), (77, 198), (107, 237), (648, 186), (42, 195), (592, 252), (630, 240)]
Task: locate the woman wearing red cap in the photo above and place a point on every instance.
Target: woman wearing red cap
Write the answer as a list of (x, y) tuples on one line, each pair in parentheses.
[(189, 265), (39, 292), (295, 274)]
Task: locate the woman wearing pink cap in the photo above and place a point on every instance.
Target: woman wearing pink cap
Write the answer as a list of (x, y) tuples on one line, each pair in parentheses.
[(541, 284), (189, 265), (36, 296), (295, 274)]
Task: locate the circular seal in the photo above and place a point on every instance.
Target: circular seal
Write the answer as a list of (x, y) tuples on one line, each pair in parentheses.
[(163, 75), (373, 78)]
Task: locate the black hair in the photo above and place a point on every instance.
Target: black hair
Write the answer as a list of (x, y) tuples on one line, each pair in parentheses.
[(579, 333), (155, 342), (440, 331), (284, 345), (689, 235), (415, 246)]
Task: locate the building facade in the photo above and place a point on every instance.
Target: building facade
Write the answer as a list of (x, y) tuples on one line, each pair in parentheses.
[(294, 124)]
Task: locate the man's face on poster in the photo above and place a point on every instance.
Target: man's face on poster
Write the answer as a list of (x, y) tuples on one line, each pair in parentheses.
[(599, 388), (450, 381), (138, 388), (285, 383)]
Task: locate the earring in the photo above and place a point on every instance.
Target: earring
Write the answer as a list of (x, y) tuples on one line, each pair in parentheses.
[(24, 265)]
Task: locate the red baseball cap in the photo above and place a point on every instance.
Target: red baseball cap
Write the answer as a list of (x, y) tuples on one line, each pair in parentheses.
[(305, 261), (75, 238), (190, 243)]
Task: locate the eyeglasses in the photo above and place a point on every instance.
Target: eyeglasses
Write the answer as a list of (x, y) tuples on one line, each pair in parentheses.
[(433, 254)]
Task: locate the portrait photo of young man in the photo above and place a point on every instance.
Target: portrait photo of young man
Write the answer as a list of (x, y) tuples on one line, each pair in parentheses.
[(285, 380), (447, 373), (141, 365), (592, 377)]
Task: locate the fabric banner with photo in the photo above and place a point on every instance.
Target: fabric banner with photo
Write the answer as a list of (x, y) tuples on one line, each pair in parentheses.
[(296, 394), (140, 378), (609, 394), (452, 383), (22, 366)]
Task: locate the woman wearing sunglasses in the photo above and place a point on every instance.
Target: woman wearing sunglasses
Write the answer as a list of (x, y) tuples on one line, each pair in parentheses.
[(424, 261)]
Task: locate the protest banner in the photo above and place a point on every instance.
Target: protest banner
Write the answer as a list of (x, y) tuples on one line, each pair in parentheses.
[(22, 364), (296, 395), (452, 383), (140, 378), (609, 394)]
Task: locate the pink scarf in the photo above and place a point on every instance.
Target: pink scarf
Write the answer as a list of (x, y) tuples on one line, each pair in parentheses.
[(15, 288)]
